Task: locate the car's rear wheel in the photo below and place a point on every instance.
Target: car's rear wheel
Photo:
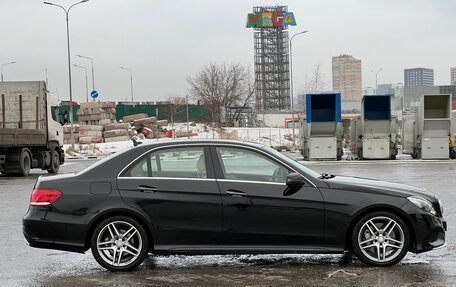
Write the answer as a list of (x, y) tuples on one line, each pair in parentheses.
[(119, 243), (380, 239)]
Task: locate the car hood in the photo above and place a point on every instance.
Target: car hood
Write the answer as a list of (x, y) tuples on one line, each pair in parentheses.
[(377, 186)]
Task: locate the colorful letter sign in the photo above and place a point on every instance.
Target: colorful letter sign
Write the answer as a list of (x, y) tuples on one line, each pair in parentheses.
[(260, 20)]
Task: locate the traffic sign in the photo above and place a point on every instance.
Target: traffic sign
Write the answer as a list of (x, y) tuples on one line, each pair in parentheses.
[(94, 94)]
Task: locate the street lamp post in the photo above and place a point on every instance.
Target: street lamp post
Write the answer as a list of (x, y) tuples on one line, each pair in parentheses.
[(87, 88), (376, 77), (131, 81), (5, 65), (93, 74), (291, 85), (67, 11)]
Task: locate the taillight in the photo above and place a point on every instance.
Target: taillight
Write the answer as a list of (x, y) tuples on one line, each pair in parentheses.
[(44, 197)]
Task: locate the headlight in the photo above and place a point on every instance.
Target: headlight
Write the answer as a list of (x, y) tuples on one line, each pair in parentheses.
[(423, 204)]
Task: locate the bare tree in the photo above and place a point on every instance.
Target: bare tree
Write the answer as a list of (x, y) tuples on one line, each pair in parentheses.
[(221, 86), (176, 105), (314, 85)]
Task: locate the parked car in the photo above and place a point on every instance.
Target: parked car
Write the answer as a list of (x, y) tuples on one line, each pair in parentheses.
[(226, 197)]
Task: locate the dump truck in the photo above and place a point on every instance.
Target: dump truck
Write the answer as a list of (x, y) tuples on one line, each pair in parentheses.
[(426, 130), (374, 133), (320, 133), (31, 133)]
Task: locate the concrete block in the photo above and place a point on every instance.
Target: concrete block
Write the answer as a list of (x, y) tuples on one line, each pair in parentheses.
[(105, 122), (117, 126), (139, 122), (90, 128), (115, 133), (162, 123), (88, 140), (90, 133), (131, 118), (117, 139)]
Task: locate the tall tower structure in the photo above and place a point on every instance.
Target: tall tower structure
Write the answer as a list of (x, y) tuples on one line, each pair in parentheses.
[(272, 71), (346, 77)]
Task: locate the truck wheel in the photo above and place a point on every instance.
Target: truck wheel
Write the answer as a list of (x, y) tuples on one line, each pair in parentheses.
[(25, 163), (55, 162)]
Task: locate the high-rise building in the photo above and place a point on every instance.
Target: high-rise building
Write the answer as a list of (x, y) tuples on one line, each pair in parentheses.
[(346, 77), (418, 77), (453, 76)]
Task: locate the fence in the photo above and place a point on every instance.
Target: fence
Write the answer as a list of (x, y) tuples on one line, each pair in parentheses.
[(196, 113)]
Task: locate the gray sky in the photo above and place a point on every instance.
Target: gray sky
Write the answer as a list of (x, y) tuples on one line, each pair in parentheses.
[(165, 41)]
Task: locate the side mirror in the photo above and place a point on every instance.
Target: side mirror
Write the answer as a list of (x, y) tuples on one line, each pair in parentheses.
[(65, 117), (294, 183), (294, 179)]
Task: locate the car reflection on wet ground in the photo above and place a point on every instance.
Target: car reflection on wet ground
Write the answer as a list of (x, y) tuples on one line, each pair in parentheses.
[(25, 266)]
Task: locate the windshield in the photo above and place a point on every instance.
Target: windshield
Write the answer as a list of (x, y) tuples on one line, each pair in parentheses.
[(100, 162), (293, 163)]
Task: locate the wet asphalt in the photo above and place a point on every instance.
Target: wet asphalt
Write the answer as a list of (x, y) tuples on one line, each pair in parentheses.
[(21, 265)]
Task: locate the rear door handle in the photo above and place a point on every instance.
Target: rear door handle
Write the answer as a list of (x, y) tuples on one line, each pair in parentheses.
[(236, 193), (145, 188)]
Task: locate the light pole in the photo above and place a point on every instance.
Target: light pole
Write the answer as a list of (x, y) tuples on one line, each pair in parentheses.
[(291, 85), (188, 128), (131, 81), (87, 88), (93, 74), (67, 11), (5, 65), (376, 76)]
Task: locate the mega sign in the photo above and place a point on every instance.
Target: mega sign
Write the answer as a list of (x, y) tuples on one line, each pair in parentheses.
[(260, 20)]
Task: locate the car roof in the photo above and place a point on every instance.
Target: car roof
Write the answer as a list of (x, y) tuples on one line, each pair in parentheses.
[(200, 141)]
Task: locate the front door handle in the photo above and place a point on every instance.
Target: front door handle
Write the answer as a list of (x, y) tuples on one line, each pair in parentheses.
[(146, 188), (236, 193)]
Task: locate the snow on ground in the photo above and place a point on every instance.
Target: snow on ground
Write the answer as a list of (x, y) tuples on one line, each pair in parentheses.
[(274, 137)]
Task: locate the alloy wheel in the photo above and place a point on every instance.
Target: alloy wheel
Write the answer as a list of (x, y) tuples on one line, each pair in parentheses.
[(381, 239), (119, 243)]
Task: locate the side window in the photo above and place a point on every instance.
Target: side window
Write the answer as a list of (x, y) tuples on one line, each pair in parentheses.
[(240, 164), (185, 162), (139, 169), (55, 113)]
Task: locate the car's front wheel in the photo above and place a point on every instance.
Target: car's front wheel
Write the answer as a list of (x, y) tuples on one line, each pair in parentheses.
[(119, 243), (380, 239)]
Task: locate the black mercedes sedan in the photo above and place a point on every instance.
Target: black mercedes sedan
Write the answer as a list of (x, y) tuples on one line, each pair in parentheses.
[(226, 197)]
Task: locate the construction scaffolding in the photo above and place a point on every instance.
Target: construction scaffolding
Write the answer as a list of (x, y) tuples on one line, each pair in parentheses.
[(272, 71)]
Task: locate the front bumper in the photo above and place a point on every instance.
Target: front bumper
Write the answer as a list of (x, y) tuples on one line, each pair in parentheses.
[(428, 230)]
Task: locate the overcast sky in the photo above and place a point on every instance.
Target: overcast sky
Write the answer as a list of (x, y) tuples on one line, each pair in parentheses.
[(166, 41)]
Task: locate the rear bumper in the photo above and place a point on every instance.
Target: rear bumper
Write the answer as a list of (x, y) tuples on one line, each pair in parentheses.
[(42, 232)]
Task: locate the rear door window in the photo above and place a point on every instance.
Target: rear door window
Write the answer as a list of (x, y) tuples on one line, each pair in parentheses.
[(182, 162)]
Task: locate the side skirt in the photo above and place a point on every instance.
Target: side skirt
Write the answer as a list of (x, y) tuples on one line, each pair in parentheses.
[(245, 249)]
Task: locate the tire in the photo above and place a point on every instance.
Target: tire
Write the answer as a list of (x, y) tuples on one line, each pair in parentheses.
[(131, 246), (395, 240), (55, 162), (25, 163)]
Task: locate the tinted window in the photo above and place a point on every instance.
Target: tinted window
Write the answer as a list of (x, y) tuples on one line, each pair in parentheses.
[(55, 113), (139, 169), (185, 162), (240, 164)]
